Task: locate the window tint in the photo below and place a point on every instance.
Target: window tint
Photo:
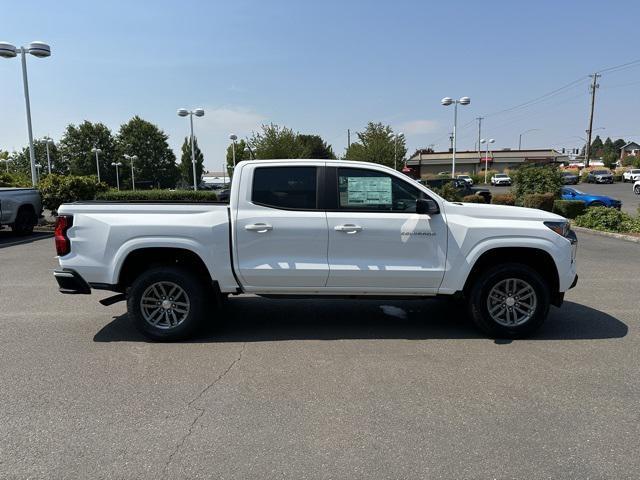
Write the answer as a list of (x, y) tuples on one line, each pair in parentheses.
[(285, 187), (370, 190)]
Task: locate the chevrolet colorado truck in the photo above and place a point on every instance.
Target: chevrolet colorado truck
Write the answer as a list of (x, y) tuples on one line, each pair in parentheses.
[(321, 228), (20, 209)]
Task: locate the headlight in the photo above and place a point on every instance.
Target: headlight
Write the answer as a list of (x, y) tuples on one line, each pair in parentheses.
[(562, 228)]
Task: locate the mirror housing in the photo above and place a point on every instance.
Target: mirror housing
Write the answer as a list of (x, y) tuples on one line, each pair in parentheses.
[(426, 206)]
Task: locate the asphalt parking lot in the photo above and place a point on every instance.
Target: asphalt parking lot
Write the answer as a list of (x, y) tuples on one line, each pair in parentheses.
[(319, 389), (620, 191)]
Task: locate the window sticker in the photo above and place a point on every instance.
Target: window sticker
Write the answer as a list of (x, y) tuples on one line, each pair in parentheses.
[(369, 191)]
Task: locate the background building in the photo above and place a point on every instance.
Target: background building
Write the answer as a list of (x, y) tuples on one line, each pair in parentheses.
[(427, 162)]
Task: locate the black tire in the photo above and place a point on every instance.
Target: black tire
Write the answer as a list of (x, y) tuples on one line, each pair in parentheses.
[(26, 219), (636, 189), (477, 300), (196, 298)]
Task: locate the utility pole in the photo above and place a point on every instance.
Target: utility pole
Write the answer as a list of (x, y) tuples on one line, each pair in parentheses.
[(479, 137), (593, 87), (348, 138)]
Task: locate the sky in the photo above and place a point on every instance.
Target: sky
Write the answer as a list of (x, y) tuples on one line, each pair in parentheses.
[(323, 67)]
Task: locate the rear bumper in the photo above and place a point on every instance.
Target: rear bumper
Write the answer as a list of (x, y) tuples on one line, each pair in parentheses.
[(70, 282)]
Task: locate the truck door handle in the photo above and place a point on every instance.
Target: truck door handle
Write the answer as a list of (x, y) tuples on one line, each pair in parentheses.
[(348, 228), (258, 227)]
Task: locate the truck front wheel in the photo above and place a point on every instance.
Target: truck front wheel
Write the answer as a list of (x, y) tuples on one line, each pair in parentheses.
[(166, 303), (509, 300)]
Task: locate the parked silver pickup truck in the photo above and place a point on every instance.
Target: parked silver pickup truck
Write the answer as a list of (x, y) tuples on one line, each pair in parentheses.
[(20, 209)]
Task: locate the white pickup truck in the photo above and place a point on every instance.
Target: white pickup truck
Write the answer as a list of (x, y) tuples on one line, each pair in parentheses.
[(320, 228), (20, 209)]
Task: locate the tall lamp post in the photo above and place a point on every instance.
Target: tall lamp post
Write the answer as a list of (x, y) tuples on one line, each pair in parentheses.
[(117, 164), (6, 163), (233, 137), (395, 150), (446, 101), (486, 157), (48, 141), (520, 136), (97, 151), (40, 50), (132, 158), (198, 112)]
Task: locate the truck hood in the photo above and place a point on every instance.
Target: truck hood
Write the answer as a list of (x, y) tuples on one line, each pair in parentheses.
[(501, 212)]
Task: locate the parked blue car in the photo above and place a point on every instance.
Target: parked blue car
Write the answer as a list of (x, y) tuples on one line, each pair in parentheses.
[(589, 199)]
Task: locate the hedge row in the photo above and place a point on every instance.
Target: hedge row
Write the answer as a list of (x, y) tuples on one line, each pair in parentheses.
[(608, 220), (162, 195), (541, 201), (504, 199), (569, 208)]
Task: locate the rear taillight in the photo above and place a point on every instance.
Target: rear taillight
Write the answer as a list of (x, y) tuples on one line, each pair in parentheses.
[(63, 245)]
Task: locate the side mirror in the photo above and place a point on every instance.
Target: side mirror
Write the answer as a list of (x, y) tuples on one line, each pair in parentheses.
[(426, 206)]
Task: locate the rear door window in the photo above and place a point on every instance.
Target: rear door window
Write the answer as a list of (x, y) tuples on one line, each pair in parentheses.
[(289, 188)]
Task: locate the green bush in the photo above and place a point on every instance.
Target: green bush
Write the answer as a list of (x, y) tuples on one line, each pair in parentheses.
[(503, 199), (617, 178), (162, 195), (608, 220), (448, 192), (568, 208), (472, 199), (14, 180), (530, 179), (59, 189), (477, 178), (541, 201)]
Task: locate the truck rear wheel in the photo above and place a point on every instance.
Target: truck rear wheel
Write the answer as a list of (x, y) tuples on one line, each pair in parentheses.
[(26, 219), (166, 303), (509, 300)]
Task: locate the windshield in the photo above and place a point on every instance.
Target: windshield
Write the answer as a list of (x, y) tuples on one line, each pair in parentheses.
[(635, 171), (601, 172), (501, 175), (574, 190)]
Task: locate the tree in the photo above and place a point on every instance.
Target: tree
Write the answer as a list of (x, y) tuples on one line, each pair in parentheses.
[(21, 161), (186, 168), (275, 142), (76, 145), (313, 146), (156, 162), (242, 153), (378, 144), (596, 147)]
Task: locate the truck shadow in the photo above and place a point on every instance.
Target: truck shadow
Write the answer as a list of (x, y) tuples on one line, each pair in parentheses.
[(255, 319), (9, 239)]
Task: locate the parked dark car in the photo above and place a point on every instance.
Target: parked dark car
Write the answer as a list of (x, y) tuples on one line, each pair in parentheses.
[(600, 176), (589, 199), (569, 178), (461, 186), (223, 195)]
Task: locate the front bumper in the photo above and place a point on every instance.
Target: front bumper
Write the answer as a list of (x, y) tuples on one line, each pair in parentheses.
[(70, 282)]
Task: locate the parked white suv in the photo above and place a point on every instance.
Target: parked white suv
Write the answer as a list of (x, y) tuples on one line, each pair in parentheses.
[(501, 179), (323, 228), (465, 178), (631, 175)]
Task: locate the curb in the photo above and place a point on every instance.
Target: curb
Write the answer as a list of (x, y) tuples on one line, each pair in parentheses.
[(618, 236)]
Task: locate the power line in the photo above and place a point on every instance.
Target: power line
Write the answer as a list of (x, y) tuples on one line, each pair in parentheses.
[(622, 66)]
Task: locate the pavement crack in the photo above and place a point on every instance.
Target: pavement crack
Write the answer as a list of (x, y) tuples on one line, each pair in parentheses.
[(200, 410)]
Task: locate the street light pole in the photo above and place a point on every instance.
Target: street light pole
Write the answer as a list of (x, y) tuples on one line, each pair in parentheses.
[(97, 151), (117, 164), (132, 158), (47, 142), (446, 101), (233, 137), (198, 112), (520, 136), (37, 49), (486, 157)]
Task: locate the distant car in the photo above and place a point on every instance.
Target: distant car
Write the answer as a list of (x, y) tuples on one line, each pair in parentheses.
[(569, 178), (444, 174), (465, 178), (223, 195), (501, 179), (462, 187), (600, 176), (636, 188), (20, 209), (589, 199), (632, 175)]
